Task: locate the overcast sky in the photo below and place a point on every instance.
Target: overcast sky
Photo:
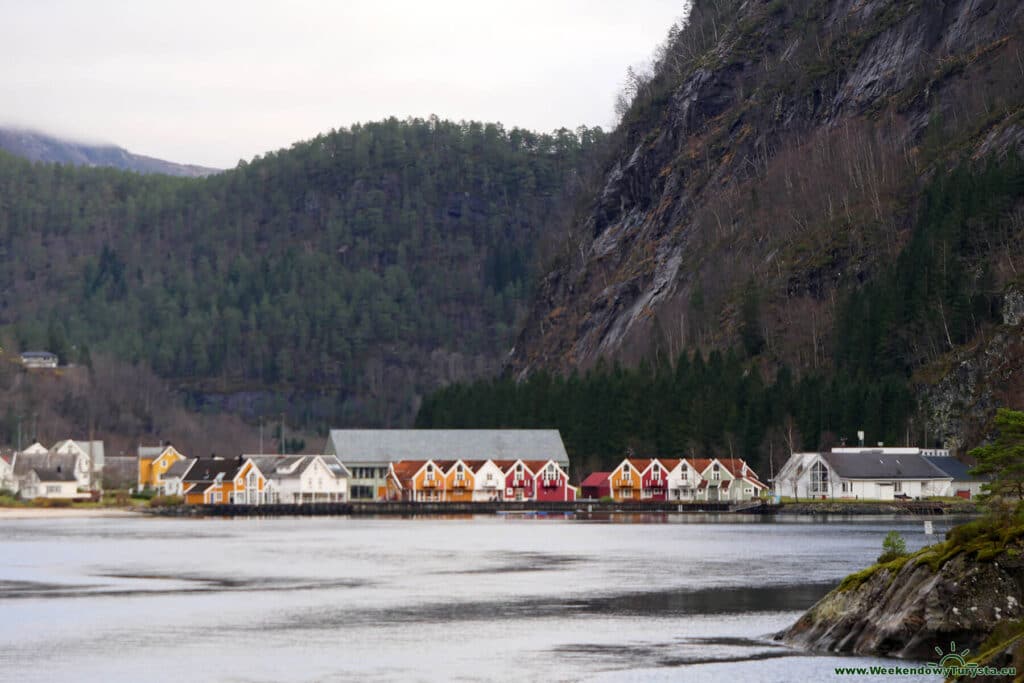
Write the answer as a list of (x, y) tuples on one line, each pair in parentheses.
[(214, 81)]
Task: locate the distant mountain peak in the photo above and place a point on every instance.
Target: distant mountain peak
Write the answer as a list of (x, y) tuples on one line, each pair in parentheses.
[(37, 146)]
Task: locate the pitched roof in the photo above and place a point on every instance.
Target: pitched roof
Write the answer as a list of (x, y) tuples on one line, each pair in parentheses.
[(54, 475), (670, 463), (736, 467), (393, 445), (596, 479), (179, 468), (699, 464), (405, 470), (878, 465), (26, 462), (952, 467), (280, 465), (207, 469)]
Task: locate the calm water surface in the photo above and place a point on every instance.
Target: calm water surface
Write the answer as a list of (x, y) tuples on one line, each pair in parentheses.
[(660, 598)]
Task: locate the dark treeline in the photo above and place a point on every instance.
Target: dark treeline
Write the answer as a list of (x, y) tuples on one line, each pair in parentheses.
[(939, 292), (361, 268), (696, 406)]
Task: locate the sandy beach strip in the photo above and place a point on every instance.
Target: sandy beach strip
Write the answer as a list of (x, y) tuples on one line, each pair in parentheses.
[(63, 513)]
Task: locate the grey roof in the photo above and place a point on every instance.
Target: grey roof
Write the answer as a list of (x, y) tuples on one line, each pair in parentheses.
[(54, 475), (954, 468), (151, 451), (356, 446), (49, 461), (38, 354), (281, 465), (179, 468), (879, 465), (207, 469), (336, 466)]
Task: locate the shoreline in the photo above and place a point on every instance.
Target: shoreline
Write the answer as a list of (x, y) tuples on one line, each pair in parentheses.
[(64, 513)]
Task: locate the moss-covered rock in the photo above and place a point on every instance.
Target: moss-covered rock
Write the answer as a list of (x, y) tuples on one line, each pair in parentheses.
[(960, 590)]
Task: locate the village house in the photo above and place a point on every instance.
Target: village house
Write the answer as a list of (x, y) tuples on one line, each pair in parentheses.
[(625, 481), (39, 359), (871, 474), (489, 481), (82, 459), (683, 479), (89, 460), (173, 480), (296, 479), (154, 462), (597, 485), (520, 479), (459, 483), (552, 483), (420, 481), (41, 483), (369, 453), (213, 481)]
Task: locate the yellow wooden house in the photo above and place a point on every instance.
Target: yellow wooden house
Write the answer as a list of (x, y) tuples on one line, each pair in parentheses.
[(154, 461)]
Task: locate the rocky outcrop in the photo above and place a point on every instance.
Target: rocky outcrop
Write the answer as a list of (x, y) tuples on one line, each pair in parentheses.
[(906, 611), (967, 590), (780, 143)]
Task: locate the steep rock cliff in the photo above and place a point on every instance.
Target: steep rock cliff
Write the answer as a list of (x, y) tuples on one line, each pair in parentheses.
[(781, 145)]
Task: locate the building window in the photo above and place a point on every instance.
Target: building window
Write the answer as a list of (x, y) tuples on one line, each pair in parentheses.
[(897, 486), (819, 478), (715, 473)]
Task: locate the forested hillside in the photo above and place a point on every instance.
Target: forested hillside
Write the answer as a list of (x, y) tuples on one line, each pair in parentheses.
[(818, 205), (336, 280)]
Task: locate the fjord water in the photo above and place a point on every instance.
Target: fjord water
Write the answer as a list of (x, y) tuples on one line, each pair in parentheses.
[(653, 597)]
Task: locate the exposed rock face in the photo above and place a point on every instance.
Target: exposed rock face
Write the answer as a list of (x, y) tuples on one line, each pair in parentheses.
[(980, 379), (784, 153), (908, 614)]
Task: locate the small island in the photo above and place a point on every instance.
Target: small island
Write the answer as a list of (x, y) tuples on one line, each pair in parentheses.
[(965, 593)]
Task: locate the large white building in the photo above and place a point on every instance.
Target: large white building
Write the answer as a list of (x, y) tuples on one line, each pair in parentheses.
[(368, 453), (872, 474)]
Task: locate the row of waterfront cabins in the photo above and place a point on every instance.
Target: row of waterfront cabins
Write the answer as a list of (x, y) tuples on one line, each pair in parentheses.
[(480, 465)]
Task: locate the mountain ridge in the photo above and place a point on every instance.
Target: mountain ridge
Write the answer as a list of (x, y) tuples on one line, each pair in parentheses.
[(43, 147)]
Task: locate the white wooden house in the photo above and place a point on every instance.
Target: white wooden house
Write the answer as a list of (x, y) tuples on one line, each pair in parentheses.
[(862, 474), (41, 483), (303, 478)]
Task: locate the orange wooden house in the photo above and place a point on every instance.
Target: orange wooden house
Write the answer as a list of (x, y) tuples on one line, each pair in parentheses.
[(417, 480), (213, 481)]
